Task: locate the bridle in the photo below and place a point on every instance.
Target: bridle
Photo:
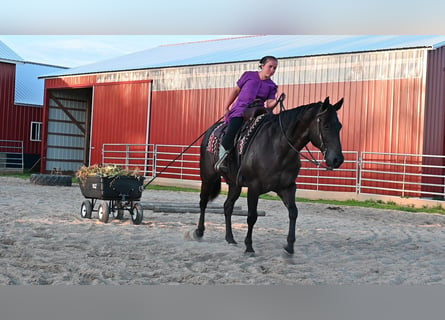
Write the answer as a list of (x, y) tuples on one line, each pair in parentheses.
[(322, 146)]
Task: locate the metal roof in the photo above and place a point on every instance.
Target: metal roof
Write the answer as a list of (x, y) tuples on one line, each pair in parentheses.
[(7, 54), (251, 48), (28, 87)]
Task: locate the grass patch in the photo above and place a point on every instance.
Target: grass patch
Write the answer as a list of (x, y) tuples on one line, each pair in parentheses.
[(375, 204), (25, 175), (169, 188)]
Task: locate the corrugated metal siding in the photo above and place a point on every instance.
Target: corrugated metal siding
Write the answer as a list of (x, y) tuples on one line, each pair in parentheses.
[(383, 111), (184, 78), (28, 88), (7, 77), (15, 121), (180, 116), (434, 137), (383, 91), (71, 82), (120, 115)]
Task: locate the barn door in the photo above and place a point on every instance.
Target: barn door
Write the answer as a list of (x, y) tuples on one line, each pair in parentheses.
[(120, 115), (67, 129)]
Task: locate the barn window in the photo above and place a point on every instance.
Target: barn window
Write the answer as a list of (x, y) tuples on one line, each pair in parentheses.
[(36, 130)]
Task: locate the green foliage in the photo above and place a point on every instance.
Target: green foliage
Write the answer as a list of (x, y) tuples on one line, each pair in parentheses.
[(169, 188), (104, 171), (24, 176), (376, 204)]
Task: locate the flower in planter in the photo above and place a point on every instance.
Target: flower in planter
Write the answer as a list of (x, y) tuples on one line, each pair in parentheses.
[(105, 171)]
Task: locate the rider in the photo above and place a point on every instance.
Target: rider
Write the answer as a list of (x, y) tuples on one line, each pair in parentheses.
[(252, 85)]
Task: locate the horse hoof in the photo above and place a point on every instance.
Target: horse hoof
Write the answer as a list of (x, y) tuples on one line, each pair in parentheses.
[(288, 251), (231, 241), (249, 254), (188, 236), (192, 235), (288, 258)]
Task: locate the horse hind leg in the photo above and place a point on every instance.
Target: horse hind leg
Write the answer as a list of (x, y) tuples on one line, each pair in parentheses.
[(210, 189)]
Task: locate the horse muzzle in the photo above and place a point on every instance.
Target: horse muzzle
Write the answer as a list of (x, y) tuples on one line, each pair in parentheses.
[(334, 160)]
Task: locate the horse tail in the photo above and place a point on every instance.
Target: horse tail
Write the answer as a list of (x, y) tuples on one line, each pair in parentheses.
[(215, 189)]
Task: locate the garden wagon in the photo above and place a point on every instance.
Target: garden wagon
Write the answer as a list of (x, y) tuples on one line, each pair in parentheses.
[(117, 193)]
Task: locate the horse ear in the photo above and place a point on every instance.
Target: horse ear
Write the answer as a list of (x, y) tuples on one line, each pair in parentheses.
[(326, 102), (338, 105)]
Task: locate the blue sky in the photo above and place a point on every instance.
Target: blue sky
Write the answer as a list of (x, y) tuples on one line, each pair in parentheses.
[(221, 17), (76, 50), (76, 33)]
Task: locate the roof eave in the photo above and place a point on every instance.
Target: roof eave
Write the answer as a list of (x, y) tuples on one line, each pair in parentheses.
[(225, 62)]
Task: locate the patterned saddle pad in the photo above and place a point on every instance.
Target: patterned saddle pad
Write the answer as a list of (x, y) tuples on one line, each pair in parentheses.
[(244, 136), (216, 138)]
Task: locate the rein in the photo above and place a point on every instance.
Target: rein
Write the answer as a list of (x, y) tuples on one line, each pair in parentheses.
[(312, 158), (178, 156)]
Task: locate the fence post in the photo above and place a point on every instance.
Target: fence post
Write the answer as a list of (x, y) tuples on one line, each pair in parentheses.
[(443, 195), (127, 155), (182, 162), (23, 160), (359, 172), (404, 176), (147, 159), (155, 156)]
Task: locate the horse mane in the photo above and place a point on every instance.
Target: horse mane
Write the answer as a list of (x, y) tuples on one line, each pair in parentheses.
[(297, 113)]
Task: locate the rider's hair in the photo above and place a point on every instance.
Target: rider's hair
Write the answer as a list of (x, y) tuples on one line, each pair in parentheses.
[(264, 60)]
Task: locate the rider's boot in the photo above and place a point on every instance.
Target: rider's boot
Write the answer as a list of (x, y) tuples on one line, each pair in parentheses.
[(220, 164)]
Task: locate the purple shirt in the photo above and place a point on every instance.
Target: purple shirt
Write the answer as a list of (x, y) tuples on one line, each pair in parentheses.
[(252, 87)]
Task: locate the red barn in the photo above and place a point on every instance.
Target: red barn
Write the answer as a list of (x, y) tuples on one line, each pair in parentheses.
[(392, 85), (21, 105)]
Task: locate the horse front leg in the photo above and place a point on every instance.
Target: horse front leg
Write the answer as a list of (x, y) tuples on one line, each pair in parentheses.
[(252, 216), (233, 195), (288, 198)]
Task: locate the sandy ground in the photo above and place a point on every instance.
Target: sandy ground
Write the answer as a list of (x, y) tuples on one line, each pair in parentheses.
[(44, 241)]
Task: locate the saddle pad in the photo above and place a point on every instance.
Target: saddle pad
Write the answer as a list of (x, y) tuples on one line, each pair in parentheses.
[(249, 132), (215, 138)]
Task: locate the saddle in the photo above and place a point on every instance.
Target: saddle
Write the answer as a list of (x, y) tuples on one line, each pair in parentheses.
[(253, 110), (244, 136)]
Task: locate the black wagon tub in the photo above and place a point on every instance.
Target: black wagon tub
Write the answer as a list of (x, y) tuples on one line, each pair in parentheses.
[(118, 193)]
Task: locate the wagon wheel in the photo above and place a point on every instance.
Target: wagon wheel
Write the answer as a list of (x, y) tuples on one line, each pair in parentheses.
[(86, 209), (118, 212), (137, 213), (103, 211)]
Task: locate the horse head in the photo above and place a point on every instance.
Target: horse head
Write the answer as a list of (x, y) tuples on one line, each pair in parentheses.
[(325, 133)]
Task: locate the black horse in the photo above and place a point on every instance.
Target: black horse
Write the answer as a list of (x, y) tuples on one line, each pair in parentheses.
[(270, 162)]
